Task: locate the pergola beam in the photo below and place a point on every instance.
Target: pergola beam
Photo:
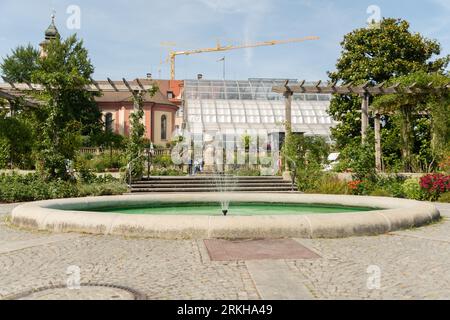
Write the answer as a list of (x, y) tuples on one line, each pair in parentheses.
[(15, 96), (361, 90), (103, 86), (9, 82), (127, 85), (140, 84), (96, 85), (113, 85)]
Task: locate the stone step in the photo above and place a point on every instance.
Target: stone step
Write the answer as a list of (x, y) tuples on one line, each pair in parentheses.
[(209, 189), (210, 185), (198, 178), (211, 177), (207, 181), (195, 181)]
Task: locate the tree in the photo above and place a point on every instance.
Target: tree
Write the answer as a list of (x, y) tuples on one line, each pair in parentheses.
[(70, 109), (20, 66), (375, 55)]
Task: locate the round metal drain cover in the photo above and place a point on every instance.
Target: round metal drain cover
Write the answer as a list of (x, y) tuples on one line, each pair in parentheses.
[(85, 292)]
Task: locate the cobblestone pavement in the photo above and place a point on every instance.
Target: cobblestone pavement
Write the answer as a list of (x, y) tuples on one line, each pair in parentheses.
[(84, 293), (412, 264)]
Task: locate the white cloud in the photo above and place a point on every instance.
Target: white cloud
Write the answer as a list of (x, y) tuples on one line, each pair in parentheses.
[(254, 14), (238, 6)]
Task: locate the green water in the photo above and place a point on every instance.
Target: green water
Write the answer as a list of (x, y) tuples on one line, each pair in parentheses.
[(239, 209)]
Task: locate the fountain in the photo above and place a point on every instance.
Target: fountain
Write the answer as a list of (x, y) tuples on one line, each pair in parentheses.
[(197, 216), (224, 185), (255, 215)]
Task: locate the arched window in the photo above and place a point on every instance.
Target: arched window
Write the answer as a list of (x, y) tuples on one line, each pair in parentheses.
[(164, 127), (109, 122)]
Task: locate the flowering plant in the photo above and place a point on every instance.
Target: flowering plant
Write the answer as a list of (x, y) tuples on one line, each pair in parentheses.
[(434, 185), (355, 186)]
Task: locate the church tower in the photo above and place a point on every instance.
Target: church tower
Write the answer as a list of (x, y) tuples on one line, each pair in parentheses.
[(50, 34)]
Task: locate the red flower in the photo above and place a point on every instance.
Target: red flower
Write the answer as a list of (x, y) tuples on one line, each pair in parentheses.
[(354, 185), (435, 184)]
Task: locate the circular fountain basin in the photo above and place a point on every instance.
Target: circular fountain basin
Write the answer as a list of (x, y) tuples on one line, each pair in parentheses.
[(251, 215)]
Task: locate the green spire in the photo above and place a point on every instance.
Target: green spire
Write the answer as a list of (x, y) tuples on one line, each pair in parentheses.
[(52, 31)]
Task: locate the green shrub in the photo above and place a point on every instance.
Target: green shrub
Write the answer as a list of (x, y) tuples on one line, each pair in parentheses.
[(88, 156), (32, 187), (308, 177), (103, 162), (392, 185), (384, 186), (359, 159), (164, 161), (412, 190), (445, 197), (245, 172), (330, 184), (4, 153), (167, 172), (380, 193), (102, 189)]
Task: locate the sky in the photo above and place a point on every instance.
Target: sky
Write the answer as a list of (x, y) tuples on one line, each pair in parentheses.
[(130, 38)]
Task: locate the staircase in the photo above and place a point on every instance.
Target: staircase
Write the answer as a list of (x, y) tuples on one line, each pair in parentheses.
[(211, 184)]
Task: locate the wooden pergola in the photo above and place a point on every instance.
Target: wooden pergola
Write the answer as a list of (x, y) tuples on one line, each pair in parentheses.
[(12, 96), (365, 91), (13, 91), (96, 86)]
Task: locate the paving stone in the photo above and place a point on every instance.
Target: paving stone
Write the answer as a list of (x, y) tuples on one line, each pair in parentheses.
[(413, 264)]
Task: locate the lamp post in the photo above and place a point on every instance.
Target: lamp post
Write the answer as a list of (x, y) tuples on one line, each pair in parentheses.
[(223, 60)]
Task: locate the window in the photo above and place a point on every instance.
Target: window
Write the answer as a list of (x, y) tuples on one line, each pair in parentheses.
[(109, 122), (170, 95), (164, 127)]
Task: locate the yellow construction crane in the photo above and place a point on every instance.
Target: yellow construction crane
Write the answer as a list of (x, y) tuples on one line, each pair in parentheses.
[(219, 47)]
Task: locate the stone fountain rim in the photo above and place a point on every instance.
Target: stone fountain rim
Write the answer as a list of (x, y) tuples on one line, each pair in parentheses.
[(63, 215)]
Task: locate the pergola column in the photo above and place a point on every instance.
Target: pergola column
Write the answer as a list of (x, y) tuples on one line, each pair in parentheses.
[(378, 150), (364, 116)]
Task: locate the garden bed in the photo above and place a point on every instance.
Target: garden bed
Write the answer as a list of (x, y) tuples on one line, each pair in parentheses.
[(32, 187)]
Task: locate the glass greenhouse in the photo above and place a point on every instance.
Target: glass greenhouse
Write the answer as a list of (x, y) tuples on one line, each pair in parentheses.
[(237, 107)]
